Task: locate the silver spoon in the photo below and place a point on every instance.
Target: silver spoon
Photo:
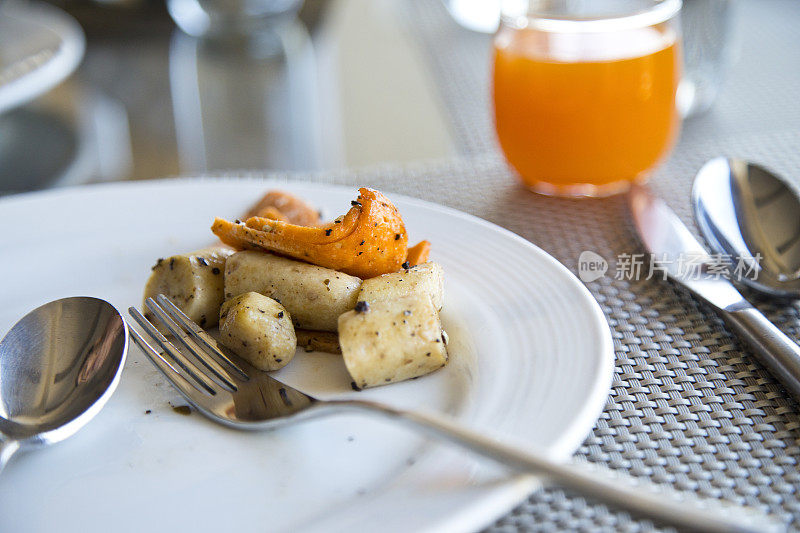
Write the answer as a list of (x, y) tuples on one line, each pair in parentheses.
[(58, 366), (748, 213)]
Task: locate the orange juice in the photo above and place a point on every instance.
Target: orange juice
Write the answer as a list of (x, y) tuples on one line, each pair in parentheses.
[(585, 113)]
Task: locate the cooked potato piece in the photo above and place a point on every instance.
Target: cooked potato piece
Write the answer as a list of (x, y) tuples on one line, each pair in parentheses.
[(193, 281), (258, 329), (318, 341), (315, 296), (427, 278), (392, 340)]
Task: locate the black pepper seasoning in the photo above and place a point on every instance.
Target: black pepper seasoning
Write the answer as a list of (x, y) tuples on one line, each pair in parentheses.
[(362, 307)]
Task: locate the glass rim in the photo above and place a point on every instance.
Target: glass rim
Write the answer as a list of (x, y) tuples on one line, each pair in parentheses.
[(660, 12)]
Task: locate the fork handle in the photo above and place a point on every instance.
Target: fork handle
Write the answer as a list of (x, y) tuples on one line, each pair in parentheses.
[(608, 487)]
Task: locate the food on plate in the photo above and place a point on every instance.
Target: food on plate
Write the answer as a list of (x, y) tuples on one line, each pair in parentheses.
[(418, 254), (315, 296), (392, 340), (193, 282), (258, 329), (427, 279), (280, 205), (318, 341), (368, 241), (351, 287)]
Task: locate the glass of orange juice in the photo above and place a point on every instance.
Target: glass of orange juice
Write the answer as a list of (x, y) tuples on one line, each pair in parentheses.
[(584, 91)]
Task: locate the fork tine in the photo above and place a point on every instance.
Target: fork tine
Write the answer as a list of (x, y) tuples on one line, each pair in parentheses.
[(198, 333), (173, 352), (214, 367), (166, 368)]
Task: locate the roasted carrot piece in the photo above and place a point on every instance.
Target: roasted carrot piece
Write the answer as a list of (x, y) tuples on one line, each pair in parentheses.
[(369, 240), (418, 253), (280, 205), (234, 234), (270, 212)]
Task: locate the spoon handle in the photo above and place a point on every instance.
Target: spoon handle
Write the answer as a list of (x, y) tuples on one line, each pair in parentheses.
[(776, 350), (7, 449)]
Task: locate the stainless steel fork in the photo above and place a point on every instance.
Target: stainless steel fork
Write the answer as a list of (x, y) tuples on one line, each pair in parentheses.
[(231, 392)]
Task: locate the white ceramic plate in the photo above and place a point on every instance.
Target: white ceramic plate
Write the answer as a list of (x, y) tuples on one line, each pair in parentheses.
[(40, 45), (531, 361)]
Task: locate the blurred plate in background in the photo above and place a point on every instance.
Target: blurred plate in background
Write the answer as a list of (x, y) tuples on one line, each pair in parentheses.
[(40, 46)]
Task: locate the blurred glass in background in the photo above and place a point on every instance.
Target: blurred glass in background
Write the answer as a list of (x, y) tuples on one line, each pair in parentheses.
[(249, 102), (709, 49)]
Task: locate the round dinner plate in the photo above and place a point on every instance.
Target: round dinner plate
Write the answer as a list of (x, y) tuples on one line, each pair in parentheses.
[(531, 362)]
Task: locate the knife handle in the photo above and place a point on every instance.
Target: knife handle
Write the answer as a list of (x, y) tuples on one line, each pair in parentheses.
[(775, 350)]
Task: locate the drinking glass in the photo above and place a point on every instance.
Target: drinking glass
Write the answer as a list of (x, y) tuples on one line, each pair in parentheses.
[(708, 50), (584, 92)]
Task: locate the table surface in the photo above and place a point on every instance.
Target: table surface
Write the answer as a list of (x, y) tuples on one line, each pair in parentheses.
[(689, 407), (148, 101)]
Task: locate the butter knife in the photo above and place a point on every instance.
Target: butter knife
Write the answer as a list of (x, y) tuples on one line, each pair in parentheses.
[(670, 242)]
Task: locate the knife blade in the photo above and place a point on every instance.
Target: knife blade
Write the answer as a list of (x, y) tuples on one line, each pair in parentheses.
[(672, 245), (669, 241)]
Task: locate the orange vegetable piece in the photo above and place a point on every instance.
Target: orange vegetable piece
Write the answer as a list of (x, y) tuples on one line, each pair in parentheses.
[(418, 253), (280, 205), (270, 212), (369, 240)]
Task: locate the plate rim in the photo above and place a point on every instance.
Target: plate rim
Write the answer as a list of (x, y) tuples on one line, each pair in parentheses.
[(497, 500)]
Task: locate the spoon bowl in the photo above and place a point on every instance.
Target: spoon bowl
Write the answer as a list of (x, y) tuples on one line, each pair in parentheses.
[(751, 216), (58, 366)]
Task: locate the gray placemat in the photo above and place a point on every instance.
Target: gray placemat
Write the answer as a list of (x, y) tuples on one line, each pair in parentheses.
[(689, 407)]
